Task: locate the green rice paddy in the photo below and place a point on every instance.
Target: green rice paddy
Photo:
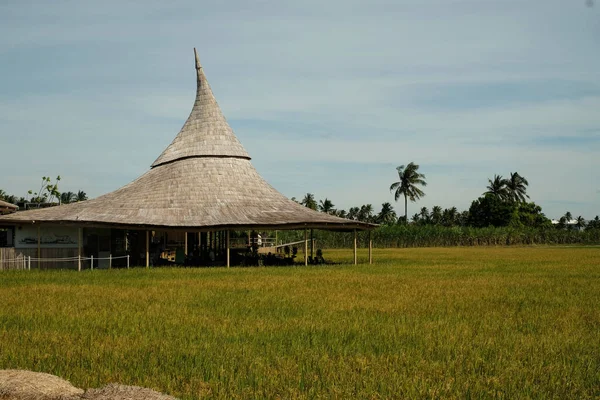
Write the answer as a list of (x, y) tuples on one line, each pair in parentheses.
[(490, 322)]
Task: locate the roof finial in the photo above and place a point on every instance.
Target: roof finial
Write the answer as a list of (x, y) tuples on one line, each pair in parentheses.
[(198, 66)]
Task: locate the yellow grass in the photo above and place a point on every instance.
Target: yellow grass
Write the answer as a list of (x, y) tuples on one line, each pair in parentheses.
[(451, 323)]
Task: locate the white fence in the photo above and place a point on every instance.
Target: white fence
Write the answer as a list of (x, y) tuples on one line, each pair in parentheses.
[(22, 262)]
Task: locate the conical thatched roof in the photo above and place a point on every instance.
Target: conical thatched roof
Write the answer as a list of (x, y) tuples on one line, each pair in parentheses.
[(203, 180)]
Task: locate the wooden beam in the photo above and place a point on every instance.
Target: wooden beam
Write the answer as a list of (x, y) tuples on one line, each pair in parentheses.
[(79, 246), (147, 249), (305, 247), (39, 249), (355, 246), (228, 253), (185, 243), (370, 247), (312, 245)]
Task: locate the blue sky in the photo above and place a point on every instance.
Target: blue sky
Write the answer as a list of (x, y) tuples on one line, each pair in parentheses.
[(328, 97)]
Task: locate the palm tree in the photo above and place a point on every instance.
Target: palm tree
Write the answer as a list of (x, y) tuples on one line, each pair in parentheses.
[(353, 213), (436, 215), (68, 197), (580, 222), (341, 213), (568, 216), (450, 216), (424, 215), (326, 206), (387, 215), (3, 194), (309, 201), (497, 187), (365, 214), (81, 196), (410, 178), (516, 187)]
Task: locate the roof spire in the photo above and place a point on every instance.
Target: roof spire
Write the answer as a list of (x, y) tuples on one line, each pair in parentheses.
[(206, 132)]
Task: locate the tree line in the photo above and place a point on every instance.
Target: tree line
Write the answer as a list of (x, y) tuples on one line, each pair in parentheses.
[(47, 194), (504, 203)]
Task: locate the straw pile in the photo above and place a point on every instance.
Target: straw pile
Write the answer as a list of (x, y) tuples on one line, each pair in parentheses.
[(27, 385)]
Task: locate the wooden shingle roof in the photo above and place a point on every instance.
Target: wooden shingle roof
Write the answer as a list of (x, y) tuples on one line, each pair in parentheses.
[(203, 180)]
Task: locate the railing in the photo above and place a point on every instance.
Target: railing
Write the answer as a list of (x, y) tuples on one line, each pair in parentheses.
[(22, 262)]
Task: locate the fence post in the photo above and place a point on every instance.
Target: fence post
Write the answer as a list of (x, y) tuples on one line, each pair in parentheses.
[(79, 263), (92, 264), (29, 263), (109, 261), (127, 261)]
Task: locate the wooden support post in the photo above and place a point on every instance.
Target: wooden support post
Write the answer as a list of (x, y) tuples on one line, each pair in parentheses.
[(306, 247), (147, 249), (39, 250), (110, 261), (92, 262), (355, 246), (185, 244), (370, 247), (228, 253), (127, 261), (312, 245), (79, 246)]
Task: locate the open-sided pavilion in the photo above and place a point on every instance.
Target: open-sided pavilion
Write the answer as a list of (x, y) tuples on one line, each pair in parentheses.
[(203, 182)]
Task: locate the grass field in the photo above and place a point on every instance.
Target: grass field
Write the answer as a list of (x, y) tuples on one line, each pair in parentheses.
[(440, 322)]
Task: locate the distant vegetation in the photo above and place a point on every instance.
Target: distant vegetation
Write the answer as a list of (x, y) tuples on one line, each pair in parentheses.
[(47, 195), (502, 215)]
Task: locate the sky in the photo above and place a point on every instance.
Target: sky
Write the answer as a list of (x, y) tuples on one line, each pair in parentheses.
[(328, 97)]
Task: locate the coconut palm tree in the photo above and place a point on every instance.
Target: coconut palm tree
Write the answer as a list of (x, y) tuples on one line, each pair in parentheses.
[(81, 196), (497, 187), (387, 215), (326, 206), (365, 214), (580, 222), (68, 197), (436, 215), (353, 213), (516, 188), (450, 216), (410, 178), (309, 201)]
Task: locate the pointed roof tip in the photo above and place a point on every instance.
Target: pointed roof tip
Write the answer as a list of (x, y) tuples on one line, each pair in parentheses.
[(206, 132), (198, 66)]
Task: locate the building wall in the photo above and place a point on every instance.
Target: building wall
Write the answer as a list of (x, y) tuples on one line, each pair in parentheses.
[(51, 237)]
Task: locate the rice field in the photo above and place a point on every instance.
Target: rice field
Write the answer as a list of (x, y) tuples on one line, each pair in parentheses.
[(490, 322)]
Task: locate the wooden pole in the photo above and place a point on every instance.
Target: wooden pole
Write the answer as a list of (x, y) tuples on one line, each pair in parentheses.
[(228, 253), (185, 244), (39, 249), (79, 245), (305, 247), (370, 247), (312, 245), (147, 249), (355, 251)]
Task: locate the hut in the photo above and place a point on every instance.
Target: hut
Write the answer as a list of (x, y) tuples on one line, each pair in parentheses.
[(202, 183)]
